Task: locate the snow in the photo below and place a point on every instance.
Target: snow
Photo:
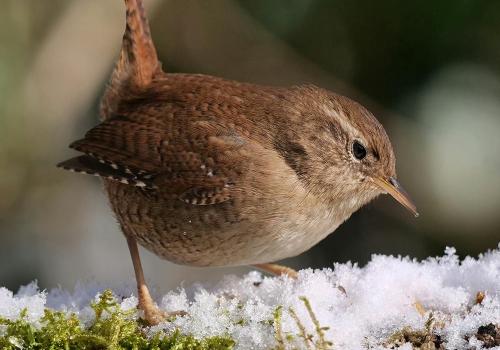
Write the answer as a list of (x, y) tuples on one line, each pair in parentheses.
[(362, 307)]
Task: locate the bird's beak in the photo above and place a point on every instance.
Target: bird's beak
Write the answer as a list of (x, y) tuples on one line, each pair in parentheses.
[(393, 187)]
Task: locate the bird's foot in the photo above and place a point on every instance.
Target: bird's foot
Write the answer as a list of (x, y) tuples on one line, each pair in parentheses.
[(278, 270), (153, 315)]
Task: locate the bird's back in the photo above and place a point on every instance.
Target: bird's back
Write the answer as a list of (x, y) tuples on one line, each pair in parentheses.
[(189, 171)]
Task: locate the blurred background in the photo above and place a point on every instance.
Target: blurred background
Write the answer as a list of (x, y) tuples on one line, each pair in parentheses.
[(429, 70)]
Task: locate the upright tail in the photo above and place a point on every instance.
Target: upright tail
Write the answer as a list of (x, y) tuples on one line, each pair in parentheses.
[(138, 62), (138, 51)]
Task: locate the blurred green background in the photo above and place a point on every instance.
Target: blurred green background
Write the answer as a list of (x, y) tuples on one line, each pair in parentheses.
[(429, 70)]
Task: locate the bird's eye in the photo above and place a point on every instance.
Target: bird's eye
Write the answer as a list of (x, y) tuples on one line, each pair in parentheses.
[(358, 150)]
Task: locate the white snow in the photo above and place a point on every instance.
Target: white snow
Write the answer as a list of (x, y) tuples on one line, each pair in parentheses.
[(362, 307)]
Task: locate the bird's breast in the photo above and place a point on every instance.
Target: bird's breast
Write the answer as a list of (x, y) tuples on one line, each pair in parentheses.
[(296, 233)]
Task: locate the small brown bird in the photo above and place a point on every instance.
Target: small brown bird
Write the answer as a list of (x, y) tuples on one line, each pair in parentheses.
[(204, 171)]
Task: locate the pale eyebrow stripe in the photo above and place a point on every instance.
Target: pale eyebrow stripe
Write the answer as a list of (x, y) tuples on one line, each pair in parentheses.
[(344, 123)]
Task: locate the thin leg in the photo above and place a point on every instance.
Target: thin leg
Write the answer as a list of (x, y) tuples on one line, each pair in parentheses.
[(277, 270), (152, 314)]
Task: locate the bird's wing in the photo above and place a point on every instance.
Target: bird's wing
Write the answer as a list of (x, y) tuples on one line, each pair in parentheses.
[(194, 161)]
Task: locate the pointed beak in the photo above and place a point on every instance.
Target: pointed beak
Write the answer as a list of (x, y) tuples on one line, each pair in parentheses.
[(393, 187)]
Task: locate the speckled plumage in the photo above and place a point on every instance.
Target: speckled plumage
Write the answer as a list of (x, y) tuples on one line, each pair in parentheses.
[(230, 168), (210, 172)]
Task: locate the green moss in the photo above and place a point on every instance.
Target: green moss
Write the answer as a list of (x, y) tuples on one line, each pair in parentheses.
[(112, 329), (322, 343), (278, 332), (285, 340), (419, 338), (116, 329)]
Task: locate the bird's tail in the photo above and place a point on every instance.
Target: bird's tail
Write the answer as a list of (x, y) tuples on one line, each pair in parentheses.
[(138, 62), (138, 51)]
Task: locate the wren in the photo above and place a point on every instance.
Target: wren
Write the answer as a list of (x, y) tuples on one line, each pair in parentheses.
[(204, 171)]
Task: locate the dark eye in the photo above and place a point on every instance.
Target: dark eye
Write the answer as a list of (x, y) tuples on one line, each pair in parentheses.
[(358, 150)]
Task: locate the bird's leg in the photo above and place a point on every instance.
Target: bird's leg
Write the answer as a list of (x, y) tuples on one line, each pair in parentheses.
[(277, 270), (152, 314)]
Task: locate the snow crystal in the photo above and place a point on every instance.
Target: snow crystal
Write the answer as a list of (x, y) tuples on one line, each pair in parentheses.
[(358, 308)]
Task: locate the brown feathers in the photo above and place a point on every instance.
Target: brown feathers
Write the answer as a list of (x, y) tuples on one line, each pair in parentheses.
[(138, 63), (138, 51), (207, 171), (89, 164)]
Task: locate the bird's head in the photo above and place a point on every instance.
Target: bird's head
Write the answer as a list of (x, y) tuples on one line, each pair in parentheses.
[(340, 150)]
